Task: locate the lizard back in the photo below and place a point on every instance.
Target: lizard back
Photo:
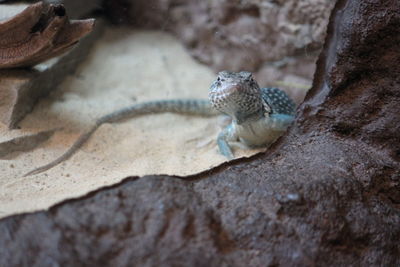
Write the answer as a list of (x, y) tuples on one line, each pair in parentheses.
[(278, 100)]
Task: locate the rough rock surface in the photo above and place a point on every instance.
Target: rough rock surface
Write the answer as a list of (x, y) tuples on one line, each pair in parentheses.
[(326, 194), (234, 35)]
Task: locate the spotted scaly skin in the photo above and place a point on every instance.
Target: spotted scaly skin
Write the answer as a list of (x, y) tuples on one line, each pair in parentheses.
[(259, 116)]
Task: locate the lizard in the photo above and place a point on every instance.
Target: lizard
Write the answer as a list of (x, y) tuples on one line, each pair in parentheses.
[(258, 115)]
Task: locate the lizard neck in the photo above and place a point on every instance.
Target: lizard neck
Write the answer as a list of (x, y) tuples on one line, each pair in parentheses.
[(242, 118)]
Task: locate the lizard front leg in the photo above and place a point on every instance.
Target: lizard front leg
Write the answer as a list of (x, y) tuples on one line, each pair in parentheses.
[(228, 134)]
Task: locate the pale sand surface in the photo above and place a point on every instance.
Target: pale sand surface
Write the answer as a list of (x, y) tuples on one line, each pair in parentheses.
[(125, 67), (7, 11)]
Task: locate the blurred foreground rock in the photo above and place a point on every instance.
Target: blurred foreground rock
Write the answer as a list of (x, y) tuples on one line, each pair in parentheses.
[(326, 194)]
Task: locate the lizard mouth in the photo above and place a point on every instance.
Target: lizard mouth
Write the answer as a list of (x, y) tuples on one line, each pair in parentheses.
[(233, 98), (221, 95), (226, 91)]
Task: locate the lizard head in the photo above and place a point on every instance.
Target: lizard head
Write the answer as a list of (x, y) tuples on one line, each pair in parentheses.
[(236, 94)]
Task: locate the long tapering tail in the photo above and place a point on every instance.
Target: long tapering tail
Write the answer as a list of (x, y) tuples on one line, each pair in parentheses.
[(181, 106)]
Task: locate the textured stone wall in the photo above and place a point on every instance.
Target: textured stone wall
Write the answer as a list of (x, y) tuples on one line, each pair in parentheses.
[(233, 34)]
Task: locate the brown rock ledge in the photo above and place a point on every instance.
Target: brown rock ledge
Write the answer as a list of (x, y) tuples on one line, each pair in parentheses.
[(326, 194)]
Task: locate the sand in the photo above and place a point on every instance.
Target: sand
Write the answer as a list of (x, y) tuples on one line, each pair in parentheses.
[(125, 67), (8, 11)]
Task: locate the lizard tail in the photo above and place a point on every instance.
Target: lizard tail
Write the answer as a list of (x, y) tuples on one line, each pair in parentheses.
[(198, 107), (71, 151), (181, 106)]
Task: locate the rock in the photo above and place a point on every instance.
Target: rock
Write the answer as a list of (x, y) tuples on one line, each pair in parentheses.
[(38, 33), (78, 9), (20, 89), (234, 35), (326, 194)]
